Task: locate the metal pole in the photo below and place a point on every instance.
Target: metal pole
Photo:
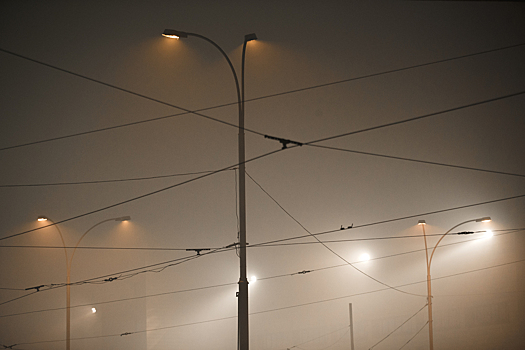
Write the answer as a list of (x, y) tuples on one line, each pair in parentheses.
[(243, 281), (429, 295), (351, 329)]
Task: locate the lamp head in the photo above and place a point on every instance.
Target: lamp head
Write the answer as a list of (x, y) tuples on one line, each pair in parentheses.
[(484, 219), (421, 222), (123, 218), (174, 34), (42, 218), (250, 37)]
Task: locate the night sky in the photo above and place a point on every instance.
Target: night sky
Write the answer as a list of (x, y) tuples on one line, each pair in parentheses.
[(407, 111)]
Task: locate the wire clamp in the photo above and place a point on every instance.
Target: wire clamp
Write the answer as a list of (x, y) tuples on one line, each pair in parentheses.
[(284, 142)]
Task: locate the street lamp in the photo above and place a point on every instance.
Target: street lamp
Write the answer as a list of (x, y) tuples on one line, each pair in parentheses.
[(242, 308), (69, 260), (423, 223)]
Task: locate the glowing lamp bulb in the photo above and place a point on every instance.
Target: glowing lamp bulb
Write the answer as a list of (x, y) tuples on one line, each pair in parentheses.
[(93, 310), (42, 218), (488, 234), (364, 257), (253, 279)]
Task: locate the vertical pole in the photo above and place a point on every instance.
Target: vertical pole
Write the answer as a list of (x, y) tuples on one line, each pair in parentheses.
[(68, 310), (429, 294), (243, 281), (351, 329)]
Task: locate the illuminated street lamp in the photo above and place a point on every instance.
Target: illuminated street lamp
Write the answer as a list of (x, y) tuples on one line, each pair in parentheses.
[(69, 260), (422, 223), (242, 319)]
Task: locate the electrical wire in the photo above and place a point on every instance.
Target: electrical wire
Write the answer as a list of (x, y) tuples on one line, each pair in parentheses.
[(418, 160), (248, 100), (107, 181), (254, 246), (414, 336), (392, 220), (122, 90), (139, 197), (310, 143), (319, 337), (402, 324), (313, 144), (327, 247)]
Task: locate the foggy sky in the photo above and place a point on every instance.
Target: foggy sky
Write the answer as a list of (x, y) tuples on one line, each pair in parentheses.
[(478, 283)]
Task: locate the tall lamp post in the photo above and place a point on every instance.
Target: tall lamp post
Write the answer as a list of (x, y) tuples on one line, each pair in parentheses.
[(422, 223), (242, 308), (69, 260)]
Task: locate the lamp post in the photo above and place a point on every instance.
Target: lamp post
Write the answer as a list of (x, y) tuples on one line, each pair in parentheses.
[(242, 308), (69, 260), (422, 223)]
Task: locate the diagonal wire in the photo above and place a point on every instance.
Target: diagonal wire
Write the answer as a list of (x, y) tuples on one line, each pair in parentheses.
[(330, 249), (414, 336), (141, 196), (253, 99), (402, 324), (310, 143), (417, 160), (123, 90)]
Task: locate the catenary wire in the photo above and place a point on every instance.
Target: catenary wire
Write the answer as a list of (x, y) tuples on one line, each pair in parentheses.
[(266, 245), (313, 144), (141, 196), (271, 277), (310, 143), (108, 181), (319, 337), (409, 340), (401, 325), (260, 279), (327, 247), (253, 99), (417, 160), (392, 220), (122, 90), (263, 311)]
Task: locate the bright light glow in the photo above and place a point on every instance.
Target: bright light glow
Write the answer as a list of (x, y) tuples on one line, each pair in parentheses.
[(93, 310), (488, 234), (484, 219), (253, 279), (171, 36), (364, 257), (421, 222), (42, 218)]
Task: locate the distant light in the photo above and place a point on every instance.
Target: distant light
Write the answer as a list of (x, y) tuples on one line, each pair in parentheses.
[(253, 279), (250, 37), (93, 310), (421, 222), (123, 218), (488, 234), (364, 257), (484, 219), (42, 218)]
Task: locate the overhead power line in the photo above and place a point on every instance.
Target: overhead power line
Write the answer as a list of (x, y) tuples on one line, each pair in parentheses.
[(416, 118), (266, 245), (392, 220), (139, 197), (231, 103), (417, 160), (123, 90), (109, 181), (259, 312), (327, 247), (401, 325)]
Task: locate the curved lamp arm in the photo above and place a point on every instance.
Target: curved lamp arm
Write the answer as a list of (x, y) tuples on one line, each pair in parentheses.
[(45, 218), (123, 218), (484, 219)]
